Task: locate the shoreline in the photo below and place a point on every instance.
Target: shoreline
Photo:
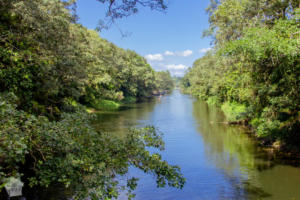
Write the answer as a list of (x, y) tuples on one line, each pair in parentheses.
[(278, 149)]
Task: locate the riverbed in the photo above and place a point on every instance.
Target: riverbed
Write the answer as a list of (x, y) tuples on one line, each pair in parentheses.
[(219, 161)]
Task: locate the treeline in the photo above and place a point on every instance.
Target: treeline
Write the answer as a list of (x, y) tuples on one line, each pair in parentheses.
[(49, 61), (50, 68), (253, 71), (165, 81)]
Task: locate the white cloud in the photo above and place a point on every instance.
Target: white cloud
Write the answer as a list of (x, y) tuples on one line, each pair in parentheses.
[(154, 57), (176, 67), (186, 53), (169, 53), (178, 73), (204, 50), (159, 57)]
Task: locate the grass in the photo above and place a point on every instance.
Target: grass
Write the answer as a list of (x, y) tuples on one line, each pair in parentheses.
[(106, 105)]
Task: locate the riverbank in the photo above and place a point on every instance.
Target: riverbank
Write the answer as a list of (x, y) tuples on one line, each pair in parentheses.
[(236, 115), (110, 105), (253, 72)]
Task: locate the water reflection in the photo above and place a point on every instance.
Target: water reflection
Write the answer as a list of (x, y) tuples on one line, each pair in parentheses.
[(230, 149), (128, 116), (219, 161)]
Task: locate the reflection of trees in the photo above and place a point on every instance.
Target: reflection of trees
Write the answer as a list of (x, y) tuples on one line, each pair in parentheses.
[(229, 147), (262, 174), (249, 171), (119, 121)]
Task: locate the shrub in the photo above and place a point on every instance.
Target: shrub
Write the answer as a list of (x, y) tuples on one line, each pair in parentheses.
[(234, 111)]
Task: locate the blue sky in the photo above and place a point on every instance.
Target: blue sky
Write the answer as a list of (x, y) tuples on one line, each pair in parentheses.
[(169, 41)]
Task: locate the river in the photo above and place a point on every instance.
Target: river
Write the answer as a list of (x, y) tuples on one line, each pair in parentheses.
[(218, 161)]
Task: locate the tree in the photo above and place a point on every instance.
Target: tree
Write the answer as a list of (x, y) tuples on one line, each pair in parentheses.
[(164, 81), (229, 18), (117, 9), (50, 69), (253, 72)]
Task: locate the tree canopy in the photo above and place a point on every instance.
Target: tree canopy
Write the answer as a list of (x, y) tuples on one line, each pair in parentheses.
[(253, 71), (51, 68)]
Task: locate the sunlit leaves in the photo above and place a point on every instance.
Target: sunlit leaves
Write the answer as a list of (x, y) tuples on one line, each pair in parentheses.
[(72, 153), (50, 65), (255, 67)]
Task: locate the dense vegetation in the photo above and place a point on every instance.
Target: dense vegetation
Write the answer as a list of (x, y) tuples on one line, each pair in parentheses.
[(253, 71), (164, 81), (51, 68)]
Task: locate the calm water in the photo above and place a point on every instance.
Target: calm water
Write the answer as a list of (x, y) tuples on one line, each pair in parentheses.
[(218, 161)]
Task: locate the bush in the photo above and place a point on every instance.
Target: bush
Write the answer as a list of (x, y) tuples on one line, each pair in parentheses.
[(213, 100), (106, 105), (129, 99), (234, 111)]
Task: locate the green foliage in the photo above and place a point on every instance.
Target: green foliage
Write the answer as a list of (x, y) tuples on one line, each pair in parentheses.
[(42, 57), (72, 153), (49, 67), (254, 68), (105, 105), (234, 111), (128, 100), (164, 81), (213, 100)]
